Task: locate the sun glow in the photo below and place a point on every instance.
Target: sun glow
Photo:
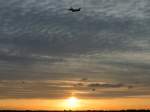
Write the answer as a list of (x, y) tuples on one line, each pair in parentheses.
[(72, 102)]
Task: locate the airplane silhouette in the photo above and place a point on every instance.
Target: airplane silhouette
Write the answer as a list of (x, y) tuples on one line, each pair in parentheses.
[(74, 10)]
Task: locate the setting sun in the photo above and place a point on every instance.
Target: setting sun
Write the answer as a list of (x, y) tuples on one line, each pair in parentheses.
[(72, 102)]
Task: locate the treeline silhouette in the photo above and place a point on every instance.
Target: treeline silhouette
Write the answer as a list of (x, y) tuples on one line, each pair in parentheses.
[(77, 111)]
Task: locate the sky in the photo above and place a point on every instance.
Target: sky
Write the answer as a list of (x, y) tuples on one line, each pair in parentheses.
[(100, 54)]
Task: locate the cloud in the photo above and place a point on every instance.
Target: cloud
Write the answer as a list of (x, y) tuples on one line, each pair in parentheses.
[(57, 89), (48, 31), (107, 41), (34, 89), (106, 85), (84, 79)]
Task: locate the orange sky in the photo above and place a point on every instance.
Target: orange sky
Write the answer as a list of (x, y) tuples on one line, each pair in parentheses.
[(83, 104)]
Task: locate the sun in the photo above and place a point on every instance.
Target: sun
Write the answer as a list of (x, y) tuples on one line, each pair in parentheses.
[(72, 102)]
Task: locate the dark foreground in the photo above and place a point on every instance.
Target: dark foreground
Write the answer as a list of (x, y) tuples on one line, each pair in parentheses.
[(77, 111)]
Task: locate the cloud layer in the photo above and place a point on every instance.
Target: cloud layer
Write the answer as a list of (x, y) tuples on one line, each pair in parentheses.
[(108, 41)]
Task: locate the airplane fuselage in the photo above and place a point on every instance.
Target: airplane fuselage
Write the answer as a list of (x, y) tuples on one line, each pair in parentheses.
[(74, 10)]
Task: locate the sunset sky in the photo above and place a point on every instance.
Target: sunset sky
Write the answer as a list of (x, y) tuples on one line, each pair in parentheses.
[(99, 56)]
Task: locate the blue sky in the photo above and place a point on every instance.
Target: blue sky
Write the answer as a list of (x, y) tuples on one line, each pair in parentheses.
[(44, 47)]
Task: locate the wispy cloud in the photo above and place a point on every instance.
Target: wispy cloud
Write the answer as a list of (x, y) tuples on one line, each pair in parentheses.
[(17, 89)]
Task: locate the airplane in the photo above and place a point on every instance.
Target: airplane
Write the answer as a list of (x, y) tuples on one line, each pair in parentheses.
[(74, 10)]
